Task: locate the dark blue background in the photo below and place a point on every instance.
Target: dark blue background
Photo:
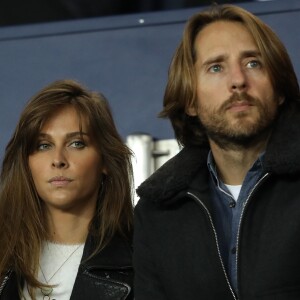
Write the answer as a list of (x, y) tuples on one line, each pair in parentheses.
[(125, 57)]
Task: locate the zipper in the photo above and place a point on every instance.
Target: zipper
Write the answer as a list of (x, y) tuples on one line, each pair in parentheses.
[(109, 268), (90, 269), (216, 240), (122, 283), (3, 283), (241, 218)]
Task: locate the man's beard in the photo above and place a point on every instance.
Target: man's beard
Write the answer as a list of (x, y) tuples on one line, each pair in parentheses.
[(244, 132)]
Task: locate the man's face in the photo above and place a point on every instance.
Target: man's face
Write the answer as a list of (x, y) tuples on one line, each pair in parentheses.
[(236, 100)]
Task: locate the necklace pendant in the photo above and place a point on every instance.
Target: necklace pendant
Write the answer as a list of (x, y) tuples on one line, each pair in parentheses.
[(46, 291)]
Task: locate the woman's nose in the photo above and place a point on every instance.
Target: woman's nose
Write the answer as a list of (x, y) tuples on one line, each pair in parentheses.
[(59, 160), (58, 164)]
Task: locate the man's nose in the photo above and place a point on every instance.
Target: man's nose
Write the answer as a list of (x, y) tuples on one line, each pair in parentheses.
[(238, 79)]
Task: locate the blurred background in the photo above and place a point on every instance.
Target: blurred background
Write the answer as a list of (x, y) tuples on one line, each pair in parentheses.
[(121, 48), (14, 12)]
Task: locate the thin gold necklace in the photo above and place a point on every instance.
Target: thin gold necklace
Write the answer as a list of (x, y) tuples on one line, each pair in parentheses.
[(47, 291)]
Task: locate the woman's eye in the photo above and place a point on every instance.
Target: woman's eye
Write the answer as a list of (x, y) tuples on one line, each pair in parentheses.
[(253, 64), (78, 144), (43, 146), (215, 69)]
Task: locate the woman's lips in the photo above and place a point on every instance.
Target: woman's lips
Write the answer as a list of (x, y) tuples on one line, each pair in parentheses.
[(60, 181)]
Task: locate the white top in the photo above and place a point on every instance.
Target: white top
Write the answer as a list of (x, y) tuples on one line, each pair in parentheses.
[(234, 190), (58, 266)]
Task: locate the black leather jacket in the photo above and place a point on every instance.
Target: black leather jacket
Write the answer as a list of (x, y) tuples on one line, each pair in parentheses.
[(106, 276)]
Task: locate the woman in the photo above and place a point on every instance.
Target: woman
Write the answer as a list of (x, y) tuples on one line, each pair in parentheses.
[(65, 201)]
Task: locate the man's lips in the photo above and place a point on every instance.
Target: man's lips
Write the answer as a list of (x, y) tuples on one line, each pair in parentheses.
[(239, 106), (60, 180)]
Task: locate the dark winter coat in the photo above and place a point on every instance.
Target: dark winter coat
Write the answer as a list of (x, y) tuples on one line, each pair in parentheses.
[(106, 276), (176, 254)]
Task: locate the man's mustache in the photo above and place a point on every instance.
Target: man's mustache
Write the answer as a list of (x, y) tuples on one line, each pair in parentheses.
[(239, 97)]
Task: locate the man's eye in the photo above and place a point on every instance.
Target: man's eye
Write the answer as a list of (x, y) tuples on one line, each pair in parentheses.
[(215, 69), (77, 144), (253, 64)]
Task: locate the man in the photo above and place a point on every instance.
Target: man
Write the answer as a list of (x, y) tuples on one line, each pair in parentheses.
[(221, 220)]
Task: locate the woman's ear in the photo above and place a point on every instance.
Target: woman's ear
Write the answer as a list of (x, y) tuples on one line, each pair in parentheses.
[(104, 171), (191, 110), (281, 99)]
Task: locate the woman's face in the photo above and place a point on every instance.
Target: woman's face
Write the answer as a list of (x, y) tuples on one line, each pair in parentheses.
[(66, 165)]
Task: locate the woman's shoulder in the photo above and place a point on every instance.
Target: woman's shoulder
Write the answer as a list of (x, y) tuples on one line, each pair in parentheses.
[(9, 286)]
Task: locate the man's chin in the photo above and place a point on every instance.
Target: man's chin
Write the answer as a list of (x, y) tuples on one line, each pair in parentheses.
[(239, 139)]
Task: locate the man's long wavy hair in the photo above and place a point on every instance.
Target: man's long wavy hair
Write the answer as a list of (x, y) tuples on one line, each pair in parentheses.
[(181, 87), (22, 217)]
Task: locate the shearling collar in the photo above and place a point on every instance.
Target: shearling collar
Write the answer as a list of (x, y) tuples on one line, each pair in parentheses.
[(283, 150), (175, 175), (282, 158)]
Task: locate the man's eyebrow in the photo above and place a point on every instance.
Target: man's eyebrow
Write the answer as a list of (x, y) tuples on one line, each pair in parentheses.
[(251, 53), (214, 59), (221, 58)]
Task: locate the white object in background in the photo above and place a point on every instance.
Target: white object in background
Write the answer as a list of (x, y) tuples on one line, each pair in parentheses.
[(149, 155), (142, 165), (163, 151)]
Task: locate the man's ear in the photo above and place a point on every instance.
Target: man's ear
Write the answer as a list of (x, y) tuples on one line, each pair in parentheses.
[(191, 110)]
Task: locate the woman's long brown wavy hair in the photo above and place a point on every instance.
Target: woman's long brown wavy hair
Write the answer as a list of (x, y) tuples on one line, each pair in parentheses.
[(22, 217), (181, 87)]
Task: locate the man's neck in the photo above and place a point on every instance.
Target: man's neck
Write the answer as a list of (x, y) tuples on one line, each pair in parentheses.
[(233, 164)]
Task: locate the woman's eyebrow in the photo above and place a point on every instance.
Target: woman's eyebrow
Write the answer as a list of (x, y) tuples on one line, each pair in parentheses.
[(77, 133), (68, 135)]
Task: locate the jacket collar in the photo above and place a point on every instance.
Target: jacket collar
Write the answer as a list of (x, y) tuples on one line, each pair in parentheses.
[(175, 175), (283, 150), (117, 254), (282, 158)]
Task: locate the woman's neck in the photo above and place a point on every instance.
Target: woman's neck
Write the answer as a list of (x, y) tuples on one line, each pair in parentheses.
[(66, 228)]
